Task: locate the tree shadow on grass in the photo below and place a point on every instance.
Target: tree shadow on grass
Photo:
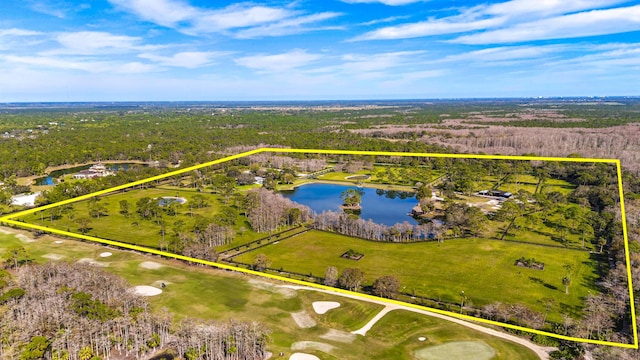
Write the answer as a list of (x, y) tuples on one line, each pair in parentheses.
[(543, 283), (574, 311)]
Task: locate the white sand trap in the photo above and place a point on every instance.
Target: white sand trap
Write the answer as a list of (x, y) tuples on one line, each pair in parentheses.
[(58, 242), (53, 256), (321, 307), (422, 338), (460, 350), (286, 292), (25, 238), (92, 262), (105, 254), (311, 345), (303, 319), (303, 356), (146, 290), (339, 336), (150, 265)]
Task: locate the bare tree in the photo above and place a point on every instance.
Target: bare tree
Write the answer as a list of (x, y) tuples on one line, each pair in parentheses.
[(331, 276)]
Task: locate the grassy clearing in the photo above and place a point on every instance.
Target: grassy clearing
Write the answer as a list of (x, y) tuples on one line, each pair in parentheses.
[(132, 229), (526, 182), (215, 294), (485, 269)]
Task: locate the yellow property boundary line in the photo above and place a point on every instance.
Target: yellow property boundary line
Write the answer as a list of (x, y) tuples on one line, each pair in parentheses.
[(9, 219)]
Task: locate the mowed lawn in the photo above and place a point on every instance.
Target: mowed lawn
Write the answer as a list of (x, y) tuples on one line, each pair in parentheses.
[(207, 293), (134, 230), (527, 183), (484, 269)]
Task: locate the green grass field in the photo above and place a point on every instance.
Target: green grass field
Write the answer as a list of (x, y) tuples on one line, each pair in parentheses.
[(209, 293), (484, 269), (131, 228), (526, 182)]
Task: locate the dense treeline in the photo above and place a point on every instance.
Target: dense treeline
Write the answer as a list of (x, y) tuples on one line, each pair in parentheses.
[(268, 211), (76, 311), (350, 225), (187, 136)]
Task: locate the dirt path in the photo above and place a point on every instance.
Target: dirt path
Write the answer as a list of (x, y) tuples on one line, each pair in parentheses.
[(363, 330), (541, 351)]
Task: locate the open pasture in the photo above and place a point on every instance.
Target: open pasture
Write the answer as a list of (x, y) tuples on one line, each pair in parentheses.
[(484, 269)]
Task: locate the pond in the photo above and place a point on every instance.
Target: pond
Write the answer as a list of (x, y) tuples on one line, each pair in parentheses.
[(54, 175), (381, 206), (166, 200)]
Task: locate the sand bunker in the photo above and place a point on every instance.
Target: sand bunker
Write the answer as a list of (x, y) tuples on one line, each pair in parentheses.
[(321, 307), (24, 238), (422, 338), (58, 242), (339, 336), (313, 345), (461, 350), (145, 290), (105, 254), (286, 292), (150, 265), (303, 356), (92, 262), (303, 319), (53, 256)]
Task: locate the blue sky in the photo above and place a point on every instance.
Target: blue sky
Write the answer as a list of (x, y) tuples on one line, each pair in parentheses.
[(119, 50)]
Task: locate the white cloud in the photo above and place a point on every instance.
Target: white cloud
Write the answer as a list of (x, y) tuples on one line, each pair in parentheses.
[(542, 7), (487, 17), (278, 62), (374, 66), (504, 53), (162, 12), (386, 2), (59, 63), (591, 23), (57, 8), (79, 63), (96, 43), (237, 16), (245, 17), (187, 59), (90, 42), (384, 20), (611, 57), (134, 67), (18, 32), (287, 26), (363, 63), (429, 28)]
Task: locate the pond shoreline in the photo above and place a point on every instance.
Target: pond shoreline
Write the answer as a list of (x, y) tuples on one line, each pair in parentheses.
[(405, 188), (383, 206)]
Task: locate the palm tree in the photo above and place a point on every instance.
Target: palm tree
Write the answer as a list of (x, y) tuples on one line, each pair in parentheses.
[(566, 281)]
